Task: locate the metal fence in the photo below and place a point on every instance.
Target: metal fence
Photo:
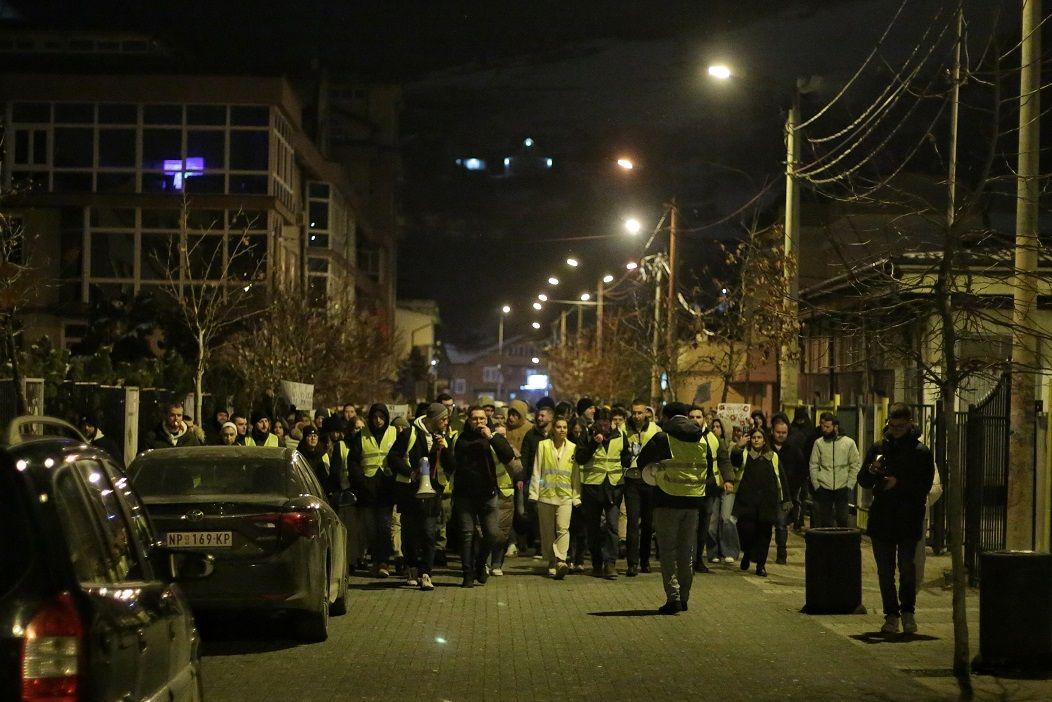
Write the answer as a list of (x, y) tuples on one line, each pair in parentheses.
[(986, 475)]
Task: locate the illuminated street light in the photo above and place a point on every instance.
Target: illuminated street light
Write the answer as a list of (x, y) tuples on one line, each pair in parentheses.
[(527, 142), (633, 226), (608, 278), (535, 360), (506, 309), (572, 262), (585, 297), (538, 306), (720, 71), (626, 164), (542, 297), (631, 265), (536, 325), (553, 281)]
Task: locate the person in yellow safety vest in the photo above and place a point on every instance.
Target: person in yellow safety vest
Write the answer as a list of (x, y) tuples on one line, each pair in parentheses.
[(713, 487), (639, 506), (425, 438), (683, 460), (603, 454), (761, 492), (372, 482), (260, 434), (476, 493), (555, 487)]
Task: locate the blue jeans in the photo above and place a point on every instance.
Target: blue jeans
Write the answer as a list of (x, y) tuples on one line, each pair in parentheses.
[(723, 528)]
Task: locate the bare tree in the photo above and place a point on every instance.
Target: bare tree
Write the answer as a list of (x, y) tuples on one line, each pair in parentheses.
[(216, 282)]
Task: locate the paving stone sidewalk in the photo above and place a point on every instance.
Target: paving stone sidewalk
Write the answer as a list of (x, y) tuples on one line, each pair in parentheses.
[(525, 637)]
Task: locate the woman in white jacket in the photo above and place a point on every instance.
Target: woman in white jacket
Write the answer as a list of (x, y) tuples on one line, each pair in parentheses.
[(556, 487)]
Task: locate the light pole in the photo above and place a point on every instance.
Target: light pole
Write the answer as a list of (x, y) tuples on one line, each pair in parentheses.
[(504, 312), (605, 280)]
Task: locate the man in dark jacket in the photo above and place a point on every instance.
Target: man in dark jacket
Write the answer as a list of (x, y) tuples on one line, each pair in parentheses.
[(530, 529), (95, 437), (802, 435), (900, 471), (684, 465), (172, 432), (420, 515), (793, 465), (476, 454)]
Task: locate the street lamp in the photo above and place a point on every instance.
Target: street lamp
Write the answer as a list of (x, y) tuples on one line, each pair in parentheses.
[(504, 312), (631, 265), (572, 262), (608, 278), (626, 164), (633, 226), (535, 360), (585, 297), (538, 306), (553, 280), (720, 71), (536, 325), (542, 297)]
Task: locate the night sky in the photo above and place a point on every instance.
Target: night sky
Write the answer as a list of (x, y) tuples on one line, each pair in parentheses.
[(587, 81)]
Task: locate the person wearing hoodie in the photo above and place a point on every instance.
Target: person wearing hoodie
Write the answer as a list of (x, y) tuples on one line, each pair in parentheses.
[(802, 435), (171, 432), (834, 470), (424, 439), (602, 454), (228, 434), (900, 470), (683, 462), (260, 434), (639, 506), (478, 455), (759, 495), (313, 451), (370, 478)]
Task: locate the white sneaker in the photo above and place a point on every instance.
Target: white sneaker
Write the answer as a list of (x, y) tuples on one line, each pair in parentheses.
[(425, 582), (891, 625), (728, 559), (497, 572), (410, 579), (512, 551), (714, 559), (538, 556), (909, 623)]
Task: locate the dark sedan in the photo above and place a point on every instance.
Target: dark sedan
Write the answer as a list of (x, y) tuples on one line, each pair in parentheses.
[(278, 544)]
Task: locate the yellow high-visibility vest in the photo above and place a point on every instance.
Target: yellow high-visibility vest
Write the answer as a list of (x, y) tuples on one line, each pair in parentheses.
[(555, 475), (412, 442), (605, 463), (374, 455), (271, 441), (684, 474)]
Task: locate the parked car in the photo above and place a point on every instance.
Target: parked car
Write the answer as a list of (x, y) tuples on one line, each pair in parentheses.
[(261, 512), (88, 604)]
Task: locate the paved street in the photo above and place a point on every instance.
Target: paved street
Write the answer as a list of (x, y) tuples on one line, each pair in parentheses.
[(526, 637)]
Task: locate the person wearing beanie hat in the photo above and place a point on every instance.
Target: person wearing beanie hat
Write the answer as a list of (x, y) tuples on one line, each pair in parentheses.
[(546, 401), (603, 455), (679, 460), (313, 451), (260, 434), (228, 434), (372, 482), (425, 439), (90, 428)]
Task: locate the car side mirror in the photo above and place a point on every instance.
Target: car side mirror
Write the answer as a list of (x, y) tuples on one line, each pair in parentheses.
[(347, 498), (185, 565)]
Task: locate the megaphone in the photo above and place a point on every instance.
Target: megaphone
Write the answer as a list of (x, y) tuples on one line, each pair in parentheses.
[(425, 490)]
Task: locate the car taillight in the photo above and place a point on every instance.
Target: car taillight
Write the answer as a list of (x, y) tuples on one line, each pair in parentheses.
[(51, 652), (303, 524)]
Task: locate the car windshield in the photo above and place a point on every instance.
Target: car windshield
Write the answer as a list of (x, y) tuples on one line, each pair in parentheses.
[(160, 478), (16, 540)]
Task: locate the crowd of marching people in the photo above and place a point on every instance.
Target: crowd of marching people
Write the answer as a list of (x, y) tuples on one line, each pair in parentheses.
[(581, 482)]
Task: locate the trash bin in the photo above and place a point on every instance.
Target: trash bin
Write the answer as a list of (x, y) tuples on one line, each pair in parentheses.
[(833, 571), (1015, 612)]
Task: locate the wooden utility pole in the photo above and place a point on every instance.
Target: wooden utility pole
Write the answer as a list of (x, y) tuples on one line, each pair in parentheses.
[(671, 349), (562, 328), (655, 340), (1021, 458), (788, 365), (599, 319)]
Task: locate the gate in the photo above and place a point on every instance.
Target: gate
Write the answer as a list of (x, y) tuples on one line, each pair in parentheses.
[(986, 475)]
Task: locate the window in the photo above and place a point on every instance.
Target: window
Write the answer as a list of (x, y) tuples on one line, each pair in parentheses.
[(206, 114), (112, 255), (73, 148), (317, 289), (242, 184), (81, 529), (249, 150), (248, 256), (117, 148), (116, 532), (249, 116), (118, 114), (74, 113), (319, 215), (160, 145), (369, 261), (491, 374), (123, 218), (209, 146), (317, 265), (159, 254), (163, 114), (205, 254), (460, 386)]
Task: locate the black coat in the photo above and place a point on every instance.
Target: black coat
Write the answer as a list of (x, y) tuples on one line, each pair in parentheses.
[(897, 513), (474, 471), (757, 495)]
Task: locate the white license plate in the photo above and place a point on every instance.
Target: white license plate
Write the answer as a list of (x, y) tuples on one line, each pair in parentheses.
[(199, 539)]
